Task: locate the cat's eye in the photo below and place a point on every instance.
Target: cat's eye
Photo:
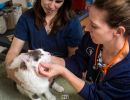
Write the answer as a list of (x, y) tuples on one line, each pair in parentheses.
[(41, 54), (36, 58)]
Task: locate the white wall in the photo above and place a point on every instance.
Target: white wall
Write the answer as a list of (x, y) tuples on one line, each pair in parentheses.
[(1, 1)]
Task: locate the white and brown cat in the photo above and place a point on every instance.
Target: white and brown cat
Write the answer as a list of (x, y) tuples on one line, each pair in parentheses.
[(33, 85)]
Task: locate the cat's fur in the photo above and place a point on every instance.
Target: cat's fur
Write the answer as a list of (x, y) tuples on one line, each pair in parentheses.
[(33, 85)]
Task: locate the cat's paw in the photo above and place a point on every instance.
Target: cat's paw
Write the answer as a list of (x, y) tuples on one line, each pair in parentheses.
[(37, 99), (58, 87), (52, 98)]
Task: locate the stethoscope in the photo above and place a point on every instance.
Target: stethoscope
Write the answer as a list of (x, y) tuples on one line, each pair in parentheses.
[(113, 60)]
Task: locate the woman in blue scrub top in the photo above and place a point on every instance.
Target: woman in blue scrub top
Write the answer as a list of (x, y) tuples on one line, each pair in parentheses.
[(104, 53), (50, 25)]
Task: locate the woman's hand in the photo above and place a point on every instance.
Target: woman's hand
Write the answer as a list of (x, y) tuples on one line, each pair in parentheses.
[(57, 60), (50, 70)]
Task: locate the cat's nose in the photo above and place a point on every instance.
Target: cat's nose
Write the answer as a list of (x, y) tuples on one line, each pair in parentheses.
[(52, 54), (49, 54)]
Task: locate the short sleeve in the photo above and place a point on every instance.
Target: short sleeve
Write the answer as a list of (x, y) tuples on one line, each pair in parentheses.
[(74, 33), (21, 30)]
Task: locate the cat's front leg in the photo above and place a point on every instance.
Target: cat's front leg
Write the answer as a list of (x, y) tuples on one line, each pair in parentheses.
[(49, 95), (31, 95)]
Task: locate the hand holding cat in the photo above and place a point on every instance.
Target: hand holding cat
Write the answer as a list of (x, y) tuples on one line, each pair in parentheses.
[(50, 70)]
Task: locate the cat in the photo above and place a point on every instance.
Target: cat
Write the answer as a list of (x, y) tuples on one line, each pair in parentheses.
[(33, 85)]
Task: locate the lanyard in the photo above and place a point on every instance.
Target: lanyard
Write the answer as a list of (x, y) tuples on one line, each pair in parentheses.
[(113, 60)]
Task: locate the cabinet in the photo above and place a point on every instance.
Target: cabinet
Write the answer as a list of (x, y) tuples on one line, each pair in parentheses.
[(78, 4)]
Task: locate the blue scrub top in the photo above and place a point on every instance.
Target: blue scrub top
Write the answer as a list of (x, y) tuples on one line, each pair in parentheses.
[(69, 36), (116, 83)]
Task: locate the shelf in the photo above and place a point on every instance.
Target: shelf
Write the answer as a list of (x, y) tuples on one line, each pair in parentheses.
[(3, 1)]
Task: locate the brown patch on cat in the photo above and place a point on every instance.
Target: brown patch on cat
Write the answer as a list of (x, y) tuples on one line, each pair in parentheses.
[(23, 66)]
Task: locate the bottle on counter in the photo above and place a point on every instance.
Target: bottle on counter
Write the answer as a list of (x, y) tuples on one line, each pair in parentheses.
[(3, 27), (29, 3), (9, 18), (17, 11)]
